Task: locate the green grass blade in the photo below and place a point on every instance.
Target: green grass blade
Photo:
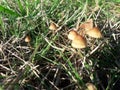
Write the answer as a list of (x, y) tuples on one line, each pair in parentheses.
[(8, 11), (74, 72), (2, 26), (21, 7)]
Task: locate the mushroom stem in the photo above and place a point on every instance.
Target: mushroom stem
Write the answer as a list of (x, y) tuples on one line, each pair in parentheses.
[(80, 53), (93, 43), (29, 45)]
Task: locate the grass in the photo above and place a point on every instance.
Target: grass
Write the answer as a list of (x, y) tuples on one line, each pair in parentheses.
[(49, 62)]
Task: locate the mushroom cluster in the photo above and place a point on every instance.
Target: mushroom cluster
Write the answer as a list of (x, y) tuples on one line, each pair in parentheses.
[(78, 39), (90, 30)]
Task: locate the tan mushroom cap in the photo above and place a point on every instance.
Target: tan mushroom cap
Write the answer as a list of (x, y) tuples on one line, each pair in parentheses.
[(27, 39), (91, 86), (94, 32), (53, 26), (72, 34), (79, 42), (87, 25)]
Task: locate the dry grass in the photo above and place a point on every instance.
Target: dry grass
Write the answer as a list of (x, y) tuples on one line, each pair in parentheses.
[(48, 61)]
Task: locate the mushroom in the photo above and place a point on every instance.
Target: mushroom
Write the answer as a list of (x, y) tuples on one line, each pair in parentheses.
[(27, 39), (79, 42), (72, 34), (53, 26), (91, 86), (87, 25), (94, 32)]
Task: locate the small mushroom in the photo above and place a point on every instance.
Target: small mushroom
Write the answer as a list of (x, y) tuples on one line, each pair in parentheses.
[(53, 26), (79, 42), (91, 86), (94, 32), (87, 25), (27, 39), (72, 34)]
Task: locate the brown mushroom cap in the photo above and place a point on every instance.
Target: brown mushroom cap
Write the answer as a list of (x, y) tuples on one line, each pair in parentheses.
[(79, 42), (87, 25), (72, 34), (27, 39), (94, 32), (53, 26)]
